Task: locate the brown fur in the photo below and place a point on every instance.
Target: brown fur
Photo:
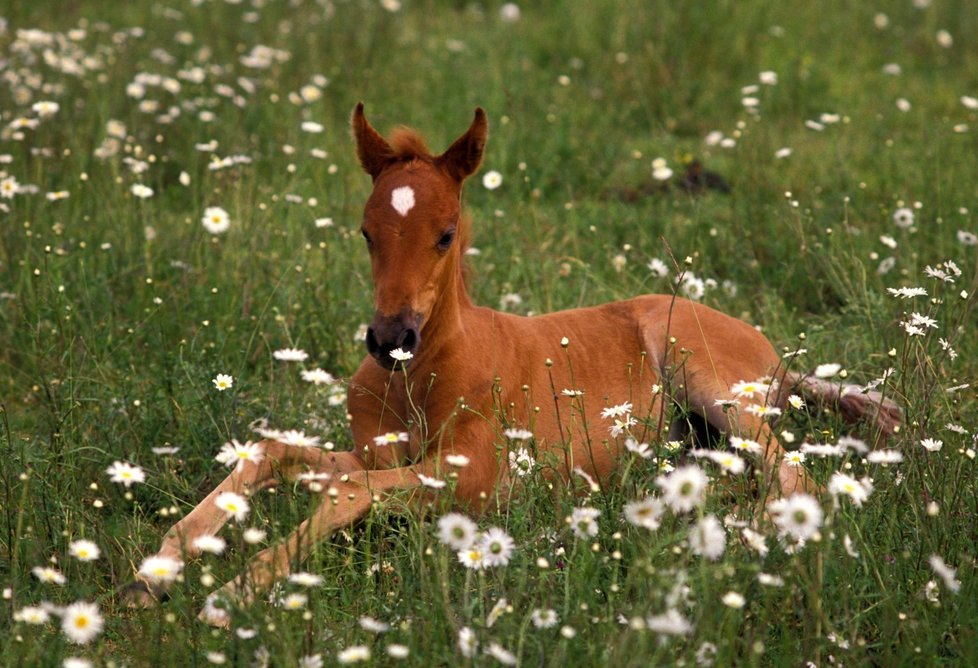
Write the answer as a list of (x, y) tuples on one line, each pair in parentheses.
[(477, 371)]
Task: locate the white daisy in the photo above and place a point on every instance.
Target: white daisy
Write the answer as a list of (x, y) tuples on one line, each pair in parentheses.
[(456, 531), (81, 622)]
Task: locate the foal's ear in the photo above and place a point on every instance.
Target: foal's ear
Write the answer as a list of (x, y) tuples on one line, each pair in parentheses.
[(372, 149), (464, 156)]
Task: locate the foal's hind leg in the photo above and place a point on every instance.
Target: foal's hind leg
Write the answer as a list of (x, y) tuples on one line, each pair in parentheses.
[(705, 386)]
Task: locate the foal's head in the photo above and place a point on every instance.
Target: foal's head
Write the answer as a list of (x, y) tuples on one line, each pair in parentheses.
[(411, 224)]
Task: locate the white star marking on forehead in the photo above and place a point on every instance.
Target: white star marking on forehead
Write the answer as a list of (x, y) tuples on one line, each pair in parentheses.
[(402, 199)]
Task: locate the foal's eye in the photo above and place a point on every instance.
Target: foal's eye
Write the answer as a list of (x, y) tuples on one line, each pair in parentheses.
[(445, 241)]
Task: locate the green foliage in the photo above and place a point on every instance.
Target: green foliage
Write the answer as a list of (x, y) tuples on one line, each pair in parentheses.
[(117, 312)]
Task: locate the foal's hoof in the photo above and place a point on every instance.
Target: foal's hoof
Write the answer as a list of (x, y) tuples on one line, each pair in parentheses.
[(215, 615), (139, 594)]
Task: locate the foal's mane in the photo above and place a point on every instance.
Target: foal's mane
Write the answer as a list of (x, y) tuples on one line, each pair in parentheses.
[(408, 144)]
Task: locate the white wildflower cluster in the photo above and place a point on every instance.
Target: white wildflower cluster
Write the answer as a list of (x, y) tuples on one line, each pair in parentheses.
[(474, 549)]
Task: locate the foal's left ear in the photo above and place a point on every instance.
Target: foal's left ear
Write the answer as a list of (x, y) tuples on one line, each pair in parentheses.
[(464, 156)]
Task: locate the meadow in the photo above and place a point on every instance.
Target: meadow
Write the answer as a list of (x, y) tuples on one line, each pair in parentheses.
[(180, 200)]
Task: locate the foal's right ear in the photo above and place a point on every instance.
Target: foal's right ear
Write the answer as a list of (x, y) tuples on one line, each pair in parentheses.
[(372, 149), (465, 155)]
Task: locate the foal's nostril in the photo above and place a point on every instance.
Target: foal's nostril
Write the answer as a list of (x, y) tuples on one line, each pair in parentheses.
[(373, 345), (408, 340)]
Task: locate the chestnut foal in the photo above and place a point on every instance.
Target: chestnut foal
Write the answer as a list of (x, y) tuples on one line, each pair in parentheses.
[(474, 372)]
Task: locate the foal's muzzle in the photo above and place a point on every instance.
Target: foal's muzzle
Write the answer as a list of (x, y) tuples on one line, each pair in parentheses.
[(390, 332)]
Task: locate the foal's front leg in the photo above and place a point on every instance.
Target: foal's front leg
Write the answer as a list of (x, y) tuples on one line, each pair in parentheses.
[(207, 519), (349, 498)]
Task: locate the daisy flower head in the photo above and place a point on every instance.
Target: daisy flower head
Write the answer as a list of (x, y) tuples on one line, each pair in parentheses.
[(584, 522), (49, 575), (521, 462), (907, 292), (456, 531), (822, 450), (216, 220), (84, 550), (798, 516), (233, 504), (8, 187), (125, 473), (398, 651), (304, 579), (317, 377), (141, 191), (354, 654), (291, 355), (430, 482), (373, 625), (223, 381), (794, 458), (658, 268), (544, 618), (796, 402), (33, 615), (399, 355), (621, 410), (843, 484), (458, 461), (472, 557), (501, 654), (391, 437), (298, 438), (210, 544), (947, 574), (669, 623), (253, 535), (755, 541), (492, 180), (294, 601), (235, 453), (641, 449), (763, 410), (622, 425), (931, 444), (497, 611), (660, 170), (750, 389), (159, 569), (884, 457), (903, 217), (81, 622), (518, 434), (728, 461), (734, 599), (707, 538), (646, 513), (745, 445), (468, 645), (684, 488), (45, 108), (497, 547)]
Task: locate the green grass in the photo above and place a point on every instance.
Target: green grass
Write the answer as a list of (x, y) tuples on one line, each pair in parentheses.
[(116, 312)]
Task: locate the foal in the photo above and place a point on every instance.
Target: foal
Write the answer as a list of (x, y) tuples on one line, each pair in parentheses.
[(474, 372)]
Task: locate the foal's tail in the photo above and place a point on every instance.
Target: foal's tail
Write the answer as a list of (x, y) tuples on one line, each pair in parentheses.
[(852, 401)]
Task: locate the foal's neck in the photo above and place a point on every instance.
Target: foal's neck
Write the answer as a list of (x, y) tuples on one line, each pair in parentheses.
[(443, 332)]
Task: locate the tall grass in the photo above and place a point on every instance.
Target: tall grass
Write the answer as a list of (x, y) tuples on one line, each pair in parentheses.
[(116, 312)]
